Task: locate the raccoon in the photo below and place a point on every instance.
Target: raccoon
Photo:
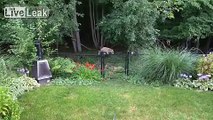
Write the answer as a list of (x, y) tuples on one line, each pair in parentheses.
[(106, 50)]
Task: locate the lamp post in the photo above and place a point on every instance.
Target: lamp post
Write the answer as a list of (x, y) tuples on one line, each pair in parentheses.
[(103, 64), (39, 49), (41, 70)]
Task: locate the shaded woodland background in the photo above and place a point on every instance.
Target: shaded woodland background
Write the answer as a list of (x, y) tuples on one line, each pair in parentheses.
[(85, 25)]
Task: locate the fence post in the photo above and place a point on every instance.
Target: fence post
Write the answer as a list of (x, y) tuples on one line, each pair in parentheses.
[(127, 60), (103, 64)]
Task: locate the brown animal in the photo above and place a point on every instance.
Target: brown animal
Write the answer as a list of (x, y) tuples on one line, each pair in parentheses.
[(106, 50)]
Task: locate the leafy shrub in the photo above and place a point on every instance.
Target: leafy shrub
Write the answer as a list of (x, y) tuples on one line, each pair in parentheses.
[(164, 65), (205, 65), (9, 109), (61, 67), (21, 41)]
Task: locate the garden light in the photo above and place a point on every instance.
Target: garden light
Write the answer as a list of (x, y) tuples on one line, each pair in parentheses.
[(41, 70)]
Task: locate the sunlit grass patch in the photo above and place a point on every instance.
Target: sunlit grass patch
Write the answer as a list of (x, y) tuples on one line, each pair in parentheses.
[(128, 102)]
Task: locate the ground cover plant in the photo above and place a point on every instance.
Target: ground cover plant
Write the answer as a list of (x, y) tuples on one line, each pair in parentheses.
[(116, 98)]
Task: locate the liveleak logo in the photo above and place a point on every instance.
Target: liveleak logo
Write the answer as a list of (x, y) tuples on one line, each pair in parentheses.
[(26, 12)]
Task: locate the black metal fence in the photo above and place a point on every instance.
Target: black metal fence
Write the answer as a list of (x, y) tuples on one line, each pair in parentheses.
[(124, 63), (107, 63)]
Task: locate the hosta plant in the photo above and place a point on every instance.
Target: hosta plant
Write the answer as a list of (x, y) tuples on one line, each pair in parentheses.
[(20, 85), (204, 84)]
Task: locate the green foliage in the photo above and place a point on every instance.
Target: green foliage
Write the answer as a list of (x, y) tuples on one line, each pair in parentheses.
[(204, 85), (63, 14), (7, 65), (21, 36), (205, 65), (67, 69), (21, 33), (46, 33), (164, 66), (192, 21), (61, 67), (21, 39), (184, 83), (9, 78), (20, 85), (83, 73), (9, 109), (167, 8), (4, 70), (131, 22)]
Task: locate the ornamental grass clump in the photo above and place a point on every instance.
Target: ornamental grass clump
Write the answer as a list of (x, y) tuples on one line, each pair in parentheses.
[(165, 66)]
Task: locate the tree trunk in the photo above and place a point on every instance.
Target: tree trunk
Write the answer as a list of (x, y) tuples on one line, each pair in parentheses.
[(93, 18), (198, 45), (96, 26), (77, 41), (94, 23), (208, 45), (102, 35), (74, 42), (91, 23)]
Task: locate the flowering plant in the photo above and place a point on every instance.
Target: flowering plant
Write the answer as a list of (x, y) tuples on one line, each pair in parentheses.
[(90, 66), (86, 71), (203, 77)]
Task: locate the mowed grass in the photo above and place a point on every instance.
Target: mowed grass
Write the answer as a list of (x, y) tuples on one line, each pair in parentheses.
[(126, 101)]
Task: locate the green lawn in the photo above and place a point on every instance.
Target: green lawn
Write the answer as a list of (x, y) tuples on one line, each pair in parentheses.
[(128, 102)]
